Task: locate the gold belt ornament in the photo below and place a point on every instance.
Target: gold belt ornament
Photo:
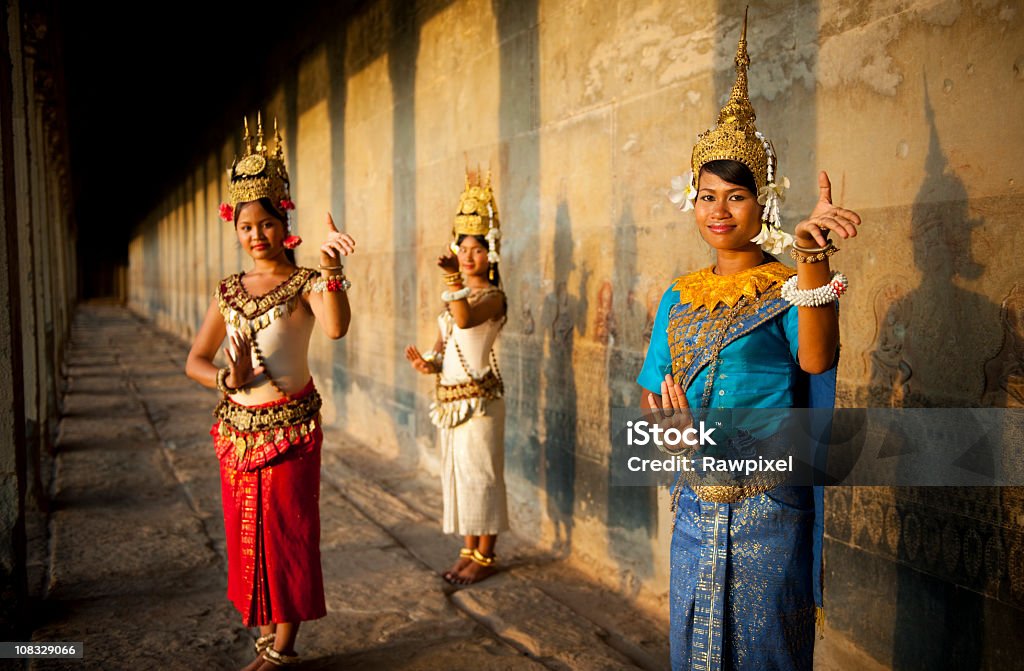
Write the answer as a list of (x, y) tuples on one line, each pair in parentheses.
[(487, 387), (730, 493), (246, 419), (248, 438)]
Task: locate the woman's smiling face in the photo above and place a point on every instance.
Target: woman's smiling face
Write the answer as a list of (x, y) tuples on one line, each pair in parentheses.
[(728, 215), (472, 256), (260, 232)]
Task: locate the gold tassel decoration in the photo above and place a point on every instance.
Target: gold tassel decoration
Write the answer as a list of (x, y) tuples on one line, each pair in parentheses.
[(819, 621)]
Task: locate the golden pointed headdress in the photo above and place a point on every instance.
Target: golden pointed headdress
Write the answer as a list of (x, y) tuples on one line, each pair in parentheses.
[(477, 215), (735, 137), (478, 211), (260, 173)]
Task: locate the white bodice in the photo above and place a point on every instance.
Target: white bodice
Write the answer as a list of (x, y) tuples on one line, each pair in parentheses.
[(475, 343)]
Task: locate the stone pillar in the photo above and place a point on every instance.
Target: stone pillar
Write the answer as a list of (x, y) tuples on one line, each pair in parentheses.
[(13, 586)]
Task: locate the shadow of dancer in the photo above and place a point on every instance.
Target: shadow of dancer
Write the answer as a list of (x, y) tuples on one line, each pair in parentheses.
[(939, 618), (632, 511), (563, 314)]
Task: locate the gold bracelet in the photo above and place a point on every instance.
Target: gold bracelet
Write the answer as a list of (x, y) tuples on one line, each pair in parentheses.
[(222, 381), (337, 267), (806, 257), (452, 279)]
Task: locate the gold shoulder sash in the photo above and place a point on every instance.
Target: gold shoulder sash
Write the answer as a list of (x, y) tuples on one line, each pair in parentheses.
[(709, 314)]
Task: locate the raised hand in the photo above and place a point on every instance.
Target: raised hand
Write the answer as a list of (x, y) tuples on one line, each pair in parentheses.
[(448, 262), (336, 245), (826, 217), (673, 410), (673, 413), (239, 354), (418, 362)]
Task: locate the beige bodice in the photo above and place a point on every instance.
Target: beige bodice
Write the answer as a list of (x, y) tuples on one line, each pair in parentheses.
[(280, 324)]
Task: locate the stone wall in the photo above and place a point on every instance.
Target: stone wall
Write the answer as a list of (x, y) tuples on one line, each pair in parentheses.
[(38, 289), (583, 111)]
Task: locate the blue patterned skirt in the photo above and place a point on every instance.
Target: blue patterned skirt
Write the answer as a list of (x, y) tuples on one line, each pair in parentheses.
[(741, 583)]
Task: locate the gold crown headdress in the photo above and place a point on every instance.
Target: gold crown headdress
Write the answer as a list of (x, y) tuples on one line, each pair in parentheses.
[(736, 138), (478, 215), (261, 172)]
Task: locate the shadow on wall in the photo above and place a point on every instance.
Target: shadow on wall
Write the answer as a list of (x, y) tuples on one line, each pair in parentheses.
[(519, 158), (631, 510), (402, 55), (337, 99), (948, 544), (563, 314), (920, 358)]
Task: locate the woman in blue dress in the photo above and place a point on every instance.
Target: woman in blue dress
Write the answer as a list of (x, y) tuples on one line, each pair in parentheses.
[(745, 584)]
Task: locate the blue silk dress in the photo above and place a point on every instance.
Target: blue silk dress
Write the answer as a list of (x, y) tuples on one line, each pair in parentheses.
[(745, 580)]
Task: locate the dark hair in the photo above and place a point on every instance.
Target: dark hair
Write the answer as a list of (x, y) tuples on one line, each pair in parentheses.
[(731, 171), (483, 241), (277, 213)]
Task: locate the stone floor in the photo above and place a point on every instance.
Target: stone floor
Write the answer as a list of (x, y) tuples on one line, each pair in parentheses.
[(131, 560), (134, 563)]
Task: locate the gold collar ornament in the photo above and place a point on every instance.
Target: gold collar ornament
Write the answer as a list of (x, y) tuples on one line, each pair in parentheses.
[(478, 215), (735, 138), (705, 289)]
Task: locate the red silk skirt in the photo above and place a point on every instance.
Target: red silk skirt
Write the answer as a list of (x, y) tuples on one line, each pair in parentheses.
[(272, 528)]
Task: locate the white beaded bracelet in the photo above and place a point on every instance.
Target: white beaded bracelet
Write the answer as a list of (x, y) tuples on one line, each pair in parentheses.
[(449, 296), (823, 295)]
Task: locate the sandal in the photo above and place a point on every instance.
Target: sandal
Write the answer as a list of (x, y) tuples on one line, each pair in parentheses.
[(280, 659), (264, 642)]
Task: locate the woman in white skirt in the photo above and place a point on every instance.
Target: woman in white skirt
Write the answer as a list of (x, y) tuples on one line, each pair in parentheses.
[(468, 408)]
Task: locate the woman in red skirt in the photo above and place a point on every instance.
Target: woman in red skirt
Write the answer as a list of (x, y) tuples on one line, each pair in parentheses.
[(267, 430)]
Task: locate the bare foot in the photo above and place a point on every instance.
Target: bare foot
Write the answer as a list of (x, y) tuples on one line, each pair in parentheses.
[(451, 574), (473, 573), (267, 665), (254, 664)]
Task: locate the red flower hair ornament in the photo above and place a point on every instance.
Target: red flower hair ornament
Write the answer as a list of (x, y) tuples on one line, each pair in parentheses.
[(227, 213), (292, 241)]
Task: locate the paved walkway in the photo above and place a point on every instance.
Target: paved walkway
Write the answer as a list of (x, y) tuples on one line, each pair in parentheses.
[(135, 545)]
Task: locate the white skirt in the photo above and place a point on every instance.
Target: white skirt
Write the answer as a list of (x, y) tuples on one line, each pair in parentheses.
[(473, 474)]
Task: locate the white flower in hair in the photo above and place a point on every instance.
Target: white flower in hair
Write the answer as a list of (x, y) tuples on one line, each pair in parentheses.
[(773, 239), (492, 237), (771, 195), (683, 192), (773, 190)]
